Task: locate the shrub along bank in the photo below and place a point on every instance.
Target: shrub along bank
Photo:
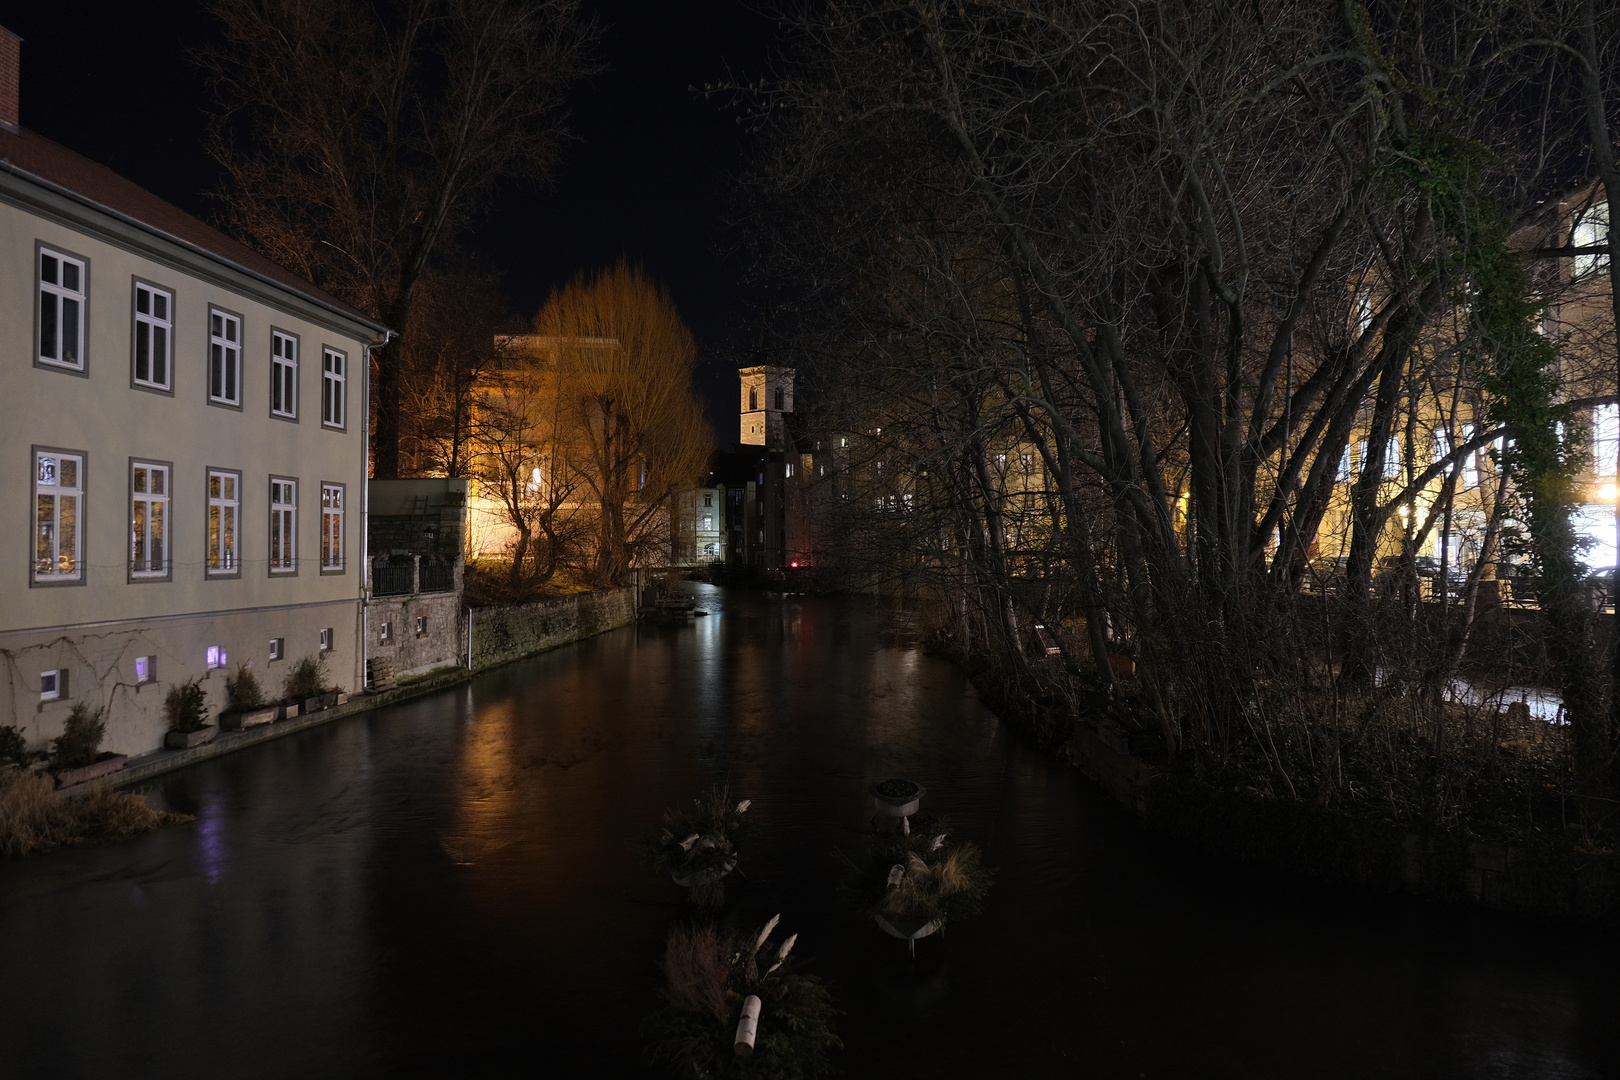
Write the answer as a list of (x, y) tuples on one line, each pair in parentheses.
[(1504, 839)]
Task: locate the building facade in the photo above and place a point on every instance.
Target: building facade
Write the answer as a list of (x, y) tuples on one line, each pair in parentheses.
[(185, 462)]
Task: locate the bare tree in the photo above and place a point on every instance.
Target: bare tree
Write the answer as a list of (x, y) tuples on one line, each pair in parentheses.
[(360, 138), (449, 348), (624, 377)]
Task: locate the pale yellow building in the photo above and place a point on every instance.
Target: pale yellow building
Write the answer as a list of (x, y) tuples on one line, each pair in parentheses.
[(183, 465)]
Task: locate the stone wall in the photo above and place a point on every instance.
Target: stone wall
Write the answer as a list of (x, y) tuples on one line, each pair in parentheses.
[(500, 635), (424, 631)]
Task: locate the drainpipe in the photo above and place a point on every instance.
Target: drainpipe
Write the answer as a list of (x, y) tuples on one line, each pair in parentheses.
[(365, 509)]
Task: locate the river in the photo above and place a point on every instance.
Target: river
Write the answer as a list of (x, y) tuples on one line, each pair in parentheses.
[(447, 887)]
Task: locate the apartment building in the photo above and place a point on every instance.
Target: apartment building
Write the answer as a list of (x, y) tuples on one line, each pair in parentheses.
[(183, 465)]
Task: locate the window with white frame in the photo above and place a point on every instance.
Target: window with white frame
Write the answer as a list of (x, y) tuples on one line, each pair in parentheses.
[(277, 647), (421, 625), (148, 520), (334, 380), (145, 670), (1605, 439), (326, 640), (1591, 230), (61, 309), (283, 526), (58, 522), (386, 631), (154, 332), (1471, 461), (214, 657), (224, 515), (224, 358), (283, 375), (53, 684), (1392, 459), (331, 526), (1442, 445)]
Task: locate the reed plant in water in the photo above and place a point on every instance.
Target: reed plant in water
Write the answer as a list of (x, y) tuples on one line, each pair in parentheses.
[(33, 818)]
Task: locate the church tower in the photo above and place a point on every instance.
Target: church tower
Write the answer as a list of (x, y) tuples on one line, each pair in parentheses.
[(767, 394)]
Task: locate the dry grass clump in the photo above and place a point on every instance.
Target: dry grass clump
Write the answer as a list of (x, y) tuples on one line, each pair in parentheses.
[(33, 819), (697, 970)]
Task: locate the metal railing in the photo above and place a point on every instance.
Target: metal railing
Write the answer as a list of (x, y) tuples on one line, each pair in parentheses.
[(391, 580), (437, 577)]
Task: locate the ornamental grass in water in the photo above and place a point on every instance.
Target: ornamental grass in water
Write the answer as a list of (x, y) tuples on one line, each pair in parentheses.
[(699, 843), (708, 975), (921, 875), (33, 819)]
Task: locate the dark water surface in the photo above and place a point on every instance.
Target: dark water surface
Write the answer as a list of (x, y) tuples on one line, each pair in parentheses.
[(447, 888)]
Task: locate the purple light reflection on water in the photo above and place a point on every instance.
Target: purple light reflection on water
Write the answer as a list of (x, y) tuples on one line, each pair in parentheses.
[(212, 852)]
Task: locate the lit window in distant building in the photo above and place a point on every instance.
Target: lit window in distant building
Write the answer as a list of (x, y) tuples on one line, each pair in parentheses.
[(1605, 438), (58, 494), (1591, 230), (1471, 462), (1392, 459)]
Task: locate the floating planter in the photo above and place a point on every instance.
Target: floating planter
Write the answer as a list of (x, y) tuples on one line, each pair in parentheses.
[(697, 846), (731, 995), (898, 798), (913, 883)]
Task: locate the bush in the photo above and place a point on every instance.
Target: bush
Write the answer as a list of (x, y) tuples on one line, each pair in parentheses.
[(12, 748), (306, 679), (186, 706), (242, 690), (80, 741)]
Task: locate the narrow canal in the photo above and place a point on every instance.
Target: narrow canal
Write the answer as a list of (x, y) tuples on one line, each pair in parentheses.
[(447, 887)]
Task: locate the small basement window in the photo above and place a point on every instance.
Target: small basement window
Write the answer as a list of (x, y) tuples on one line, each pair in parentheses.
[(278, 648), (421, 625), (52, 684), (326, 640), (387, 631), (215, 657), (145, 670)]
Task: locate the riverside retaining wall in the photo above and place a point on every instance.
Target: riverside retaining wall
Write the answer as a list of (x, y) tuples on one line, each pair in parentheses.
[(501, 635)]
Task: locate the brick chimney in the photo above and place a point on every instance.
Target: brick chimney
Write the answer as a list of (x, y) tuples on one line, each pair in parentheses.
[(10, 77)]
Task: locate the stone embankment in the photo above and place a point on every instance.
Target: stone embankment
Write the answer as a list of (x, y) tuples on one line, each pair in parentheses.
[(499, 636)]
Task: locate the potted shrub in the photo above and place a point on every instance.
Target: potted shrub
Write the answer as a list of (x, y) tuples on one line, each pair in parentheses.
[(734, 1006), (897, 797), (697, 846), (245, 704), (913, 884), (78, 757), (186, 707), (306, 687)]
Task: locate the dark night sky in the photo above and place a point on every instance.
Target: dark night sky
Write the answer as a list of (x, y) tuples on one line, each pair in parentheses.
[(646, 177)]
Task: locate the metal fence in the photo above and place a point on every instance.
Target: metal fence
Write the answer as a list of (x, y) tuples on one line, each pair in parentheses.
[(390, 580), (438, 577)]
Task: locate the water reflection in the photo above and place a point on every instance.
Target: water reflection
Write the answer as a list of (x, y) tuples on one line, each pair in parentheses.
[(448, 886)]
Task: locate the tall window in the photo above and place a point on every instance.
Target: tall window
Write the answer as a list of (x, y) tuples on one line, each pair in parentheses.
[(283, 374), (1471, 462), (149, 520), (1605, 438), (1591, 230), (753, 399), (283, 526), (154, 330), (1344, 467), (61, 309), (224, 358), (58, 501), (224, 512), (1442, 445), (333, 379), (331, 527), (1392, 459)]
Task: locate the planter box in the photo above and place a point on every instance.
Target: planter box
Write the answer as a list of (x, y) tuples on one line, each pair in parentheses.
[(87, 773), (185, 740), (319, 702), (342, 699), (238, 721), (899, 806), (286, 712)]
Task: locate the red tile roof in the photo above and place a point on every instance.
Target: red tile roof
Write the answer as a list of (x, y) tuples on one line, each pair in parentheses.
[(39, 159)]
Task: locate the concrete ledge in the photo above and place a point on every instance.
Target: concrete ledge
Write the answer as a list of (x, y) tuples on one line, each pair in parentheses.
[(154, 763)]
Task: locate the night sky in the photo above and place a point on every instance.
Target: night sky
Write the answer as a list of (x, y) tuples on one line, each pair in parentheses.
[(647, 177)]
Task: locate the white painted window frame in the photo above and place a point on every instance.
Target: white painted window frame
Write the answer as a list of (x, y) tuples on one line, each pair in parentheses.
[(224, 358), (145, 507), (63, 297), (224, 523), (60, 494), (283, 375), (283, 525), (156, 332), (334, 388), (332, 496)]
